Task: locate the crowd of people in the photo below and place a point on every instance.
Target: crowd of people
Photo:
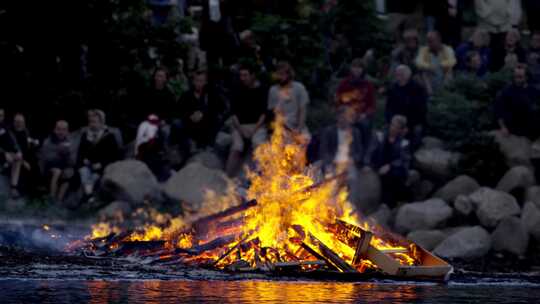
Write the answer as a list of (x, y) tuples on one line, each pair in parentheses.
[(243, 104)]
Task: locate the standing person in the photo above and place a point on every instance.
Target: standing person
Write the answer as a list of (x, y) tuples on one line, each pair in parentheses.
[(391, 158), (11, 155), (248, 109), (444, 16), (358, 94), (159, 99), (495, 16), (28, 147), (97, 149), (289, 98), (435, 61), (58, 161), (204, 111), (408, 99), (217, 36), (516, 107)]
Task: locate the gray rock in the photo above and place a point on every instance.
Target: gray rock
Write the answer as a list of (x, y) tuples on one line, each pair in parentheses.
[(530, 216), (190, 184), (413, 178), (437, 163), (422, 215), (464, 205), (517, 150), (516, 177), (365, 191), (382, 216), (533, 195), (131, 181), (461, 185), (511, 236), (432, 143), (114, 209), (208, 159), (468, 243), (492, 206), (422, 190), (428, 239)]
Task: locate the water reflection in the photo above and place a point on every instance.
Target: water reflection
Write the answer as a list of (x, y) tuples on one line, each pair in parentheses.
[(150, 292)]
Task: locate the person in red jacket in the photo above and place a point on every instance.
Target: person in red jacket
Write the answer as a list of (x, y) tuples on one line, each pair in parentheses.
[(358, 94)]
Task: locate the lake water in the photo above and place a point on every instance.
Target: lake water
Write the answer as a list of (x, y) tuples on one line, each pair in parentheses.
[(153, 291)]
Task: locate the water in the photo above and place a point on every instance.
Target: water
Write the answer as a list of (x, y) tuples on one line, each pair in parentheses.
[(153, 291)]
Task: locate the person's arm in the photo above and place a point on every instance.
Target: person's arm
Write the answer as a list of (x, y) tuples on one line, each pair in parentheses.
[(404, 159), (482, 8), (370, 99), (421, 61), (449, 59), (302, 111)]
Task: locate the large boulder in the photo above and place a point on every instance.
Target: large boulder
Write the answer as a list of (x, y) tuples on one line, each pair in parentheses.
[(422, 215), (461, 185), (191, 183), (463, 205), (436, 162), (365, 191), (131, 181), (492, 206), (517, 150), (468, 243), (428, 239), (382, 216), (432, 143), (533, 195), (511, 236), (208, 159), (117, 209), (517, 177), (422, 190), (531, 219)]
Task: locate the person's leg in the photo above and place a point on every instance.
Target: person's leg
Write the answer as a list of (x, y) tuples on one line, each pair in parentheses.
[(65, 178), (235, 153), (86, 180), (55, 177), (16, 165)]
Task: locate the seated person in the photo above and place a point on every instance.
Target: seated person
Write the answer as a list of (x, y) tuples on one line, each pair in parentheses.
[(515, 107), (97, 149), (357, 93), (341, 144), (289, 98), (204, 111), (435, 63), (248, 108), (150, 147), (391, 158), (58, 161), (28, 147), (407, 98), (11, 155)]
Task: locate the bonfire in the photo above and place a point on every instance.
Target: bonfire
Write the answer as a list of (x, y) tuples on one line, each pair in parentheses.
[(291, 218)]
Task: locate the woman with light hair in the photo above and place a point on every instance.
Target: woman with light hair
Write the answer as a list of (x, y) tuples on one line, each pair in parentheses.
[(511, 54), (478, 42)]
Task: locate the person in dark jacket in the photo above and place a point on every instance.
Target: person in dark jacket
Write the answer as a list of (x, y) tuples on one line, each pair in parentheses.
[(341, 144), (204, 111), (516, 107), (97, 149), (478, 42), (409, 99), (58, 161), (28, 145), (533, 60), (11, 155), (391, 159), (248, 116), (510, 55)]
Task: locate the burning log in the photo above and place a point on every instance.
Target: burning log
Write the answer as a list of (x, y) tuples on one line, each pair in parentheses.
[(200, 223), (331, 256), (134, 246), (362, 247), (216, 243)]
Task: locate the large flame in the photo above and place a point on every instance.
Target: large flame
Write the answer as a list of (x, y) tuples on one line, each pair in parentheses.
[(293, 204)]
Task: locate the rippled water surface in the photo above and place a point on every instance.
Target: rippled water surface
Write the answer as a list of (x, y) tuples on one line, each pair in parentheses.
[(56, 291)]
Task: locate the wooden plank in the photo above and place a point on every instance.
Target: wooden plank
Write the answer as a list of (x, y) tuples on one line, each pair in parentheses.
[(389, 251), (318, 256), (362, 247), (332, 256)]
